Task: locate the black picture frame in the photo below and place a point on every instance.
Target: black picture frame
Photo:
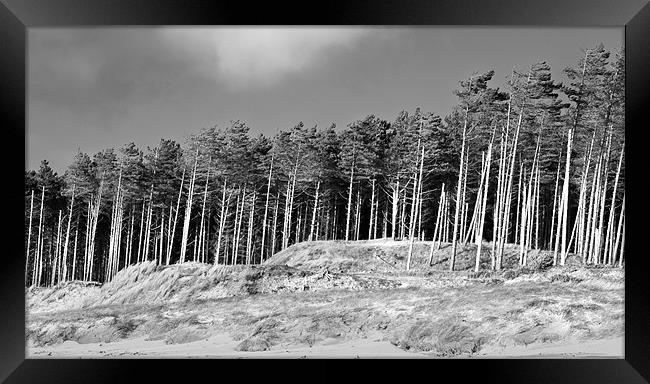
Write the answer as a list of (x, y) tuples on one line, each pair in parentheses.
[(17, 16)]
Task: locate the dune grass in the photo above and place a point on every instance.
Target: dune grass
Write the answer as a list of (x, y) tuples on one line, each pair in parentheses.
[(310, 302)]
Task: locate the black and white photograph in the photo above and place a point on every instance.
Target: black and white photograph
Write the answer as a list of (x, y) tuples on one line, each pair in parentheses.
[(341, 192)]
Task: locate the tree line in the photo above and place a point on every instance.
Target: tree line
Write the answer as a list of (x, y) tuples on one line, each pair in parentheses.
[(539, 164)]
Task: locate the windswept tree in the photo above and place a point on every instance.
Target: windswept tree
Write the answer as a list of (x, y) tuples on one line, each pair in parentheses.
[(328, 171), (473, 121), (359, 161), (293, 152)]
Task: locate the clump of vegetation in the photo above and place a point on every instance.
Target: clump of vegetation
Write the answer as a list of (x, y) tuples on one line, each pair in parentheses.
[(124, 326), (254, 344), (443, 338), (565, 278), (186, 334)]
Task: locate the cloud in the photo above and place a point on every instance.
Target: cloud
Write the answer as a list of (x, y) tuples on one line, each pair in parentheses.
[(101, 73), (261, 56), (97, 65)]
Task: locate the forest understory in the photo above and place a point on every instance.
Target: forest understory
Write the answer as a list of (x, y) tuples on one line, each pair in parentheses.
[(337, 299)]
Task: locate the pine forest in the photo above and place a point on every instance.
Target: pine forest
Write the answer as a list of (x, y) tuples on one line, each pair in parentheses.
[(537, 164)]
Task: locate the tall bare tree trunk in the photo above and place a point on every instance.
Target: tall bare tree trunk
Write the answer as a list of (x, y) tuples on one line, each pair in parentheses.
[(503, 148), (500, 192), (537, 210), (592, 201), (402, 229), (594, 217), (593, 209), (234, 229), (444, 219), (395, 211), (55, 264), (609, 256), (249, 244), (505, 221), (95, 215), (372, 210), (347, 220), (91, 241), (275, 224), (111, 242), (319, 221), (206, 237), (240, 221), (67, 238), (529, 213), (472, 231), (285, 219), (357, 215), (225, 242), (464, 205), (374, 235), (233, 242), (518, 202), (140, 232), (419, 214), (565, 188), (522, 233), (297, 234), (414, 192), (335, 227), (114, 242), (505, 211), (418, 181), (603, 195), (87, 241), (384, 229), (147, 228), (161, 252), (130, 238), (148, 223), (205, 198), (565, 198), (620, 258), (170, 239), (74, 252), (293, 191), (119, 232), (582, 203), (528, 209), (438, 227), (188, 210), (621, 217), (447, 218), (458, 194), (29, 235), (483, 192), (557, 182), (266, 210), (39, 243), (313, 217), (222, 221)]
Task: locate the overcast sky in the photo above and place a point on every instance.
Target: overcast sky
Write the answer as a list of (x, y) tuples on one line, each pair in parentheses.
[(94, 88)]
